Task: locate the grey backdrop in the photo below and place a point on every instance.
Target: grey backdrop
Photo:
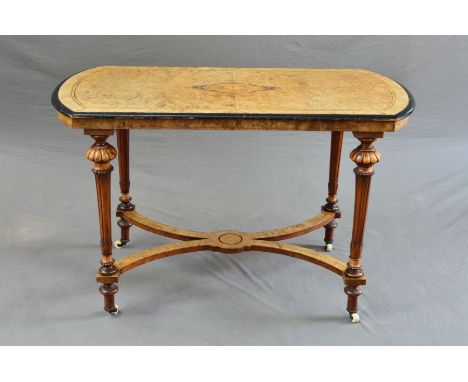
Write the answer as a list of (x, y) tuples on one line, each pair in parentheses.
[(415, 253)]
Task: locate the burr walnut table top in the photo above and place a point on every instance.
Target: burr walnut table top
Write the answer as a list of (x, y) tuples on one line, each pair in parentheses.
[(113, 97)]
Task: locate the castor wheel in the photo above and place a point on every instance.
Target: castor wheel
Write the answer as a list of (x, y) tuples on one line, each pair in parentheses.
[(115, 311), (119, 244), (354, 318), (328, 247)]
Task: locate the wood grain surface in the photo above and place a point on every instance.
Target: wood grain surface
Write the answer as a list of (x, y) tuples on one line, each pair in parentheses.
[(231, 92), (170, 123)]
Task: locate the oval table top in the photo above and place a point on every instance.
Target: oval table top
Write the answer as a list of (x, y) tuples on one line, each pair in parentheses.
[(232, 98)]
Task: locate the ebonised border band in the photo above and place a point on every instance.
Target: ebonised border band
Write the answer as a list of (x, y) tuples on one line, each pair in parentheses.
[(406, 112)]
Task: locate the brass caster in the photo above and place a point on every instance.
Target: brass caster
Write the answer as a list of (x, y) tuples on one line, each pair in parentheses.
[(354, 318), (328, 247), (115, 311), (118, 244)]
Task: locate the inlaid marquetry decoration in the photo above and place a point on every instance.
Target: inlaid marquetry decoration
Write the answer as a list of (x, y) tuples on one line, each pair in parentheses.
[(265, 94)]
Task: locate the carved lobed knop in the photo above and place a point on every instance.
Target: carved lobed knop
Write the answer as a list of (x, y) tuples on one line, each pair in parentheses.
[(101, 152), (365, 156)]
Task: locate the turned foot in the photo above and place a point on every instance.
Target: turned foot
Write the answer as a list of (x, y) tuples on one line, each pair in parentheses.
[(109, 291), (353, 292)]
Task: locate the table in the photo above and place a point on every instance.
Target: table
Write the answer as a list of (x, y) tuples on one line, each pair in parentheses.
[(109, 99)]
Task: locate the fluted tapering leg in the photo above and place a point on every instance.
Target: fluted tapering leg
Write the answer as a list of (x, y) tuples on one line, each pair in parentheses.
[(101, 153), (123, 146), (365, 156), (334, 171)]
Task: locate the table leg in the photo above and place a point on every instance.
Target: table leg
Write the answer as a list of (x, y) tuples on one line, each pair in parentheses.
[(365, 156), (332, 201), (101, 153), (123, 146)]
